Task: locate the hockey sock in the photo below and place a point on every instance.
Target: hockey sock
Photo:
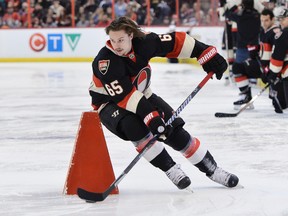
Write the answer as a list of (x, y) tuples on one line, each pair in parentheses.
[(199, 156), (240, 78), (156, 154), (207, 165)]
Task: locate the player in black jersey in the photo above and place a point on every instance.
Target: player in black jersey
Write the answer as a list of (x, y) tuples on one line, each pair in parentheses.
[(258, 62), (267, 37), (278, 66), (248, 26), (128, 108)]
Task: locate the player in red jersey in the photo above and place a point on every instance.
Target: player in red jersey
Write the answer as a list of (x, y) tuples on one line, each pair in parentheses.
[(128, 108)]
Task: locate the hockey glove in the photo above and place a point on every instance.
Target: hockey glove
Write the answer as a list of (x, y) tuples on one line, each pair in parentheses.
[(155, 123), (253, 51), (212, 61), (269, 77)]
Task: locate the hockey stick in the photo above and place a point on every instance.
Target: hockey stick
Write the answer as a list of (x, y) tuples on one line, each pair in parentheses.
[(229, 76), (223, 115), (95, 197)]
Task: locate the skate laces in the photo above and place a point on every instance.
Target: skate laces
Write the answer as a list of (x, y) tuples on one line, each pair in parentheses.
[(175, 174)]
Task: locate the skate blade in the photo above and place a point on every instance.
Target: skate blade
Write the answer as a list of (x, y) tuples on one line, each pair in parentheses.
[(189, 189), (238, 107)]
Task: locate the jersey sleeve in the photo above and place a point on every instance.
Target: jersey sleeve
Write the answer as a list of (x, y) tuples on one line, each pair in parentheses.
[(98, 94), (174, 45), (279, 52)]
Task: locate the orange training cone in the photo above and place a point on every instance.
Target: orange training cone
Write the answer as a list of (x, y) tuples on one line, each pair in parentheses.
[(90, 166)]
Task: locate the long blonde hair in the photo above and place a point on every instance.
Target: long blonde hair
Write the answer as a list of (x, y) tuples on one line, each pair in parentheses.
[(126, 24)]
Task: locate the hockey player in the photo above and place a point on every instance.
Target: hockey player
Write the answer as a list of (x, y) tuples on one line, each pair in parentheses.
[(231, 31), (253, 67), (267, 37), (128, 108), (278, 66), (248, 24)]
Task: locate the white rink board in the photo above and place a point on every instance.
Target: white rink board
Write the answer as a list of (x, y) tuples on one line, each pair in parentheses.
[(77, 42), (58, 42)]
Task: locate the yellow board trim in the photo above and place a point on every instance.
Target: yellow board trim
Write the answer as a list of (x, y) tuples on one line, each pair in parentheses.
[(84, 59)]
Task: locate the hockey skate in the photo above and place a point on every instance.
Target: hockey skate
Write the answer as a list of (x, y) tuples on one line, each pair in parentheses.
[(245, 97), (178, 177), (223, 177)]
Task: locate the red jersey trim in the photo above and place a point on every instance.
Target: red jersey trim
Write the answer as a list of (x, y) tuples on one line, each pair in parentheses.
[(179, 42), (97, 81)]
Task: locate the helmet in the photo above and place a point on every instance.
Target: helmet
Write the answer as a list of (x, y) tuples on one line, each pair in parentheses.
[(283, 13)]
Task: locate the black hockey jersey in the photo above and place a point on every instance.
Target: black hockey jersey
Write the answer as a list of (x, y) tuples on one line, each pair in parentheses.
[(125, 80), (248, 26), (266, 43), (279, 59)]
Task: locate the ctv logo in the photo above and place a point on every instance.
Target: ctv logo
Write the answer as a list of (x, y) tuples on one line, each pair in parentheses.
[(54, 42)]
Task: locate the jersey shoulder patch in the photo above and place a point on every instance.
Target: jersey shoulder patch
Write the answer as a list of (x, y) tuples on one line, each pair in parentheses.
[(103, 66), (103, 61)]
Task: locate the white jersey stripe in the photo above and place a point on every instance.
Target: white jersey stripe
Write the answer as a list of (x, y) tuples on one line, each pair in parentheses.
[(187, 47), (133, 101), (100, 90)]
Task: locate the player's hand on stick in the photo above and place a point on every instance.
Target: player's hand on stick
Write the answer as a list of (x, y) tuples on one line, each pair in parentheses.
[(212, 61), (269, 77), (253, 51), (155, 123)]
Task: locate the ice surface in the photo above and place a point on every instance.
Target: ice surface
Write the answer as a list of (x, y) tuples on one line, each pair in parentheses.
[(40, 109)]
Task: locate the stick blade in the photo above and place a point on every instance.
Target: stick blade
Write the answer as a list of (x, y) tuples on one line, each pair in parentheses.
[(225, 115), (90, 197)]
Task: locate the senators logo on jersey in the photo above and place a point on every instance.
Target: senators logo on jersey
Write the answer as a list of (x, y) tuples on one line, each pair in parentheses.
[(103, 66), (142, 80)]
